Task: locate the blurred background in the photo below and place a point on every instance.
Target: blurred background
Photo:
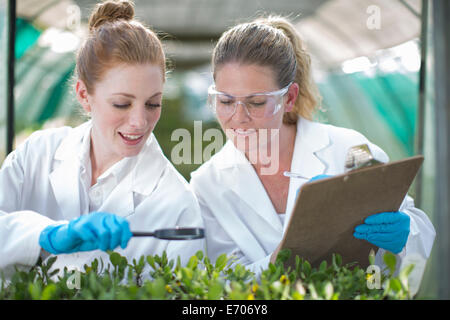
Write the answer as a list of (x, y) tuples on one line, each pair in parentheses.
[(379, 64)]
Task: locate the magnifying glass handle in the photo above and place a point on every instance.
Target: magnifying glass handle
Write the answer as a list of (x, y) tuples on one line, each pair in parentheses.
[(143, 234)]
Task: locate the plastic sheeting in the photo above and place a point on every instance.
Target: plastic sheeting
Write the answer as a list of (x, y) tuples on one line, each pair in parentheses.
[(382, 107), (3, 75)]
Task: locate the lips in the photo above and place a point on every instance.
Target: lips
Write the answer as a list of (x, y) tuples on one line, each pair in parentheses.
[(244, 132), (131, 139)]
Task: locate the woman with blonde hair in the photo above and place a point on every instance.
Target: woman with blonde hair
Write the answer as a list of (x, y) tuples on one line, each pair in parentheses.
[(77, 192), (264, 100)]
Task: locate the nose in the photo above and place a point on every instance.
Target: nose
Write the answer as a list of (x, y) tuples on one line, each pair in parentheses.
[(137, 117), (241, 112)]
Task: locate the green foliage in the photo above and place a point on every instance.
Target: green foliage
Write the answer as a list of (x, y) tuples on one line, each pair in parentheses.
[(175, 116), (155, 277)]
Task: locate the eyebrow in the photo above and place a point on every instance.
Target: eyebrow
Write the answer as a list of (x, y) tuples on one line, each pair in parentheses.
[(132, 96)]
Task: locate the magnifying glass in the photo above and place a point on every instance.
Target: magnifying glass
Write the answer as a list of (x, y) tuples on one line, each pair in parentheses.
[(173, 234)]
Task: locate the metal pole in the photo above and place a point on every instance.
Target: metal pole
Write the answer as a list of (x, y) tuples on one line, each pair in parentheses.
[(441, 45), (411, 9), (422, 94), (10, 75)]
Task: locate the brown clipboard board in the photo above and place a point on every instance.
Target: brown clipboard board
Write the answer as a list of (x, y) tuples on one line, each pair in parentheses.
[(327, 211)]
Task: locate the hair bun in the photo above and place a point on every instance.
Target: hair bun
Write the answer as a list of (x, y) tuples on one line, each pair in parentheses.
[(110, 11)]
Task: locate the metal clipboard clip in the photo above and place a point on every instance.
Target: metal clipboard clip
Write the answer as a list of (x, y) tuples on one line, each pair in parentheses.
[(359, 157)]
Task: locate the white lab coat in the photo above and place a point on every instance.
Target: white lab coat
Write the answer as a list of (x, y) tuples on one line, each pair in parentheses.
[(41, 185), (240, 218)]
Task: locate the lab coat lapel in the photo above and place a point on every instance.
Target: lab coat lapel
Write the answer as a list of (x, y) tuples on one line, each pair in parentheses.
[(310, 139), (65, 178), (144, 173), (150, 167), (242, 179), (120, 200), (65, 185)]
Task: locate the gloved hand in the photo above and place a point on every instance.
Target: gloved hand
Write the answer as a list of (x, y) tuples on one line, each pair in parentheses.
[(97, 230), (318, 177), (387, 230)]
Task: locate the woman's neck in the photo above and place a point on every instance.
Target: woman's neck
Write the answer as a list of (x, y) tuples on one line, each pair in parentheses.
[(275, 157), (99, 161)]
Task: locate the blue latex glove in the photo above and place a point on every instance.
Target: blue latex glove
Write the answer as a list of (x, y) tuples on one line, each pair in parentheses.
[(318, 177), (97, 230), (387, 230)]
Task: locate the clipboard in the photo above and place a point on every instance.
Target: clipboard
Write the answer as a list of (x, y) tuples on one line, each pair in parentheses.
[(327, 211)]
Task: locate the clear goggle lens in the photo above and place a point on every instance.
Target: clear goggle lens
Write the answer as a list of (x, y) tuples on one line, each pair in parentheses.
[(258, 105)]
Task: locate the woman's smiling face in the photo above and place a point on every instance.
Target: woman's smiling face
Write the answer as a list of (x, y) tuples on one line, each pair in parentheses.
[(237, 79), (125, 107)]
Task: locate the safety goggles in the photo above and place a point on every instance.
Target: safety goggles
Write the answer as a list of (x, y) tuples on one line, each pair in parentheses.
[(257, 105)]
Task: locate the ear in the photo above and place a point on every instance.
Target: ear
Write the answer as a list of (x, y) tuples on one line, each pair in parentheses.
[(292, 96), (82, 95)]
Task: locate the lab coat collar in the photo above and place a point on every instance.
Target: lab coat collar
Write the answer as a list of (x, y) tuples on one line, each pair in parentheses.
[(243, 180), (139, 174), (65, 178), (142, 174), (311, 139), (150, 167), (238, 173), (71, 146)]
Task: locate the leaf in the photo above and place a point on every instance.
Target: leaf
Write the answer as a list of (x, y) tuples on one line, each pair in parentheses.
[(54, 272), (151, 262), (221, 262), (115, 259), (395, 285), (283, 255), (35, 290), (297, 296), (307, 268), (50, 262), (193, 262), (49, 291), (123, 262), (215, 291), (141, 262), (94, 265), (178, 265), (158, 288), (338, 259), (404, 273), (390, 260), (323, 266), (312, 290), (199, 255), (187, 273), (372, 257)]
